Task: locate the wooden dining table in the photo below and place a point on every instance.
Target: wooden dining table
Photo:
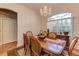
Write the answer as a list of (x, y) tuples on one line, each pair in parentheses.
[(46, 49)]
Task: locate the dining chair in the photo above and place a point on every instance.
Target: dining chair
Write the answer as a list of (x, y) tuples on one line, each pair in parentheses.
[(52, 35), (27, 42), (71, 47), (35, 47), (25, 46), (44, 33), (29, 33), (42, 36)]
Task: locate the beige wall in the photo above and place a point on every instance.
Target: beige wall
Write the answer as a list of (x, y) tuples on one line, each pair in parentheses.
[(74, 9), (44, 23), (27, 20)]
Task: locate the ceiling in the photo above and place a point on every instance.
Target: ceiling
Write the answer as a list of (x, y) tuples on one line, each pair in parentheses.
[(36, 6)]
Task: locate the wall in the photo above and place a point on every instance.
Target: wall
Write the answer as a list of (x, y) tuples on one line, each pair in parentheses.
[(44, 23), (27, 20), (74, 9)]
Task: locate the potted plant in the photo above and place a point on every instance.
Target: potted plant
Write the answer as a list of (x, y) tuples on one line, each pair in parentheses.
[(60, 33), (66, 33)]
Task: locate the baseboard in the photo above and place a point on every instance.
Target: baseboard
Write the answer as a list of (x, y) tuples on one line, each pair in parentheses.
[(9, 42)]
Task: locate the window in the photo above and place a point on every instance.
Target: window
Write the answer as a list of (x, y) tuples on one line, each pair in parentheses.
[(60, 23)]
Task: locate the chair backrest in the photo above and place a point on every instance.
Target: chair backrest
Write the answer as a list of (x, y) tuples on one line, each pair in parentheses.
[(44, 33), (72, 44), (52, 35), (27, 42), (35, 46), (29, 33), (27, 37)]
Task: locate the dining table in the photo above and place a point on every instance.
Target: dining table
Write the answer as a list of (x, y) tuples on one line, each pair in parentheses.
[(47, 48)]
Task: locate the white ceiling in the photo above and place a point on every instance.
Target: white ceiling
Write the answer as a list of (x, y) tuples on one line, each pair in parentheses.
[(36, 6)]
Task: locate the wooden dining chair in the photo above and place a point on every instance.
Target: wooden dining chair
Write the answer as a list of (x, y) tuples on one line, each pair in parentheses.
[(25, 45), (27, 42), (29, 33), (44, 33), (52, 35), (71, 47), (35, 47)]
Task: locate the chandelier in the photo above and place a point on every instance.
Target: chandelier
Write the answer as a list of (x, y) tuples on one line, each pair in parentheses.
[(45, 11)]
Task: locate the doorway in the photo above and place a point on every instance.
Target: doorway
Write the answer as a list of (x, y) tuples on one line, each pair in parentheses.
[(8, 29)]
